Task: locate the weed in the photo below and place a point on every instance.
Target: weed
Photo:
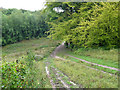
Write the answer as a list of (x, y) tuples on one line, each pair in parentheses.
[(86, 76), (25, 53)]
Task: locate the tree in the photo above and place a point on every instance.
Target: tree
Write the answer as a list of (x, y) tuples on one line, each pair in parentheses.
[(20, 25), (91, 25)]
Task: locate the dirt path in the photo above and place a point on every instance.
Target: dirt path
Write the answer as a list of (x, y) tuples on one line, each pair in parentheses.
[(61, 76), (57, 77), (112, 68), (57, 50), (59, 81), (62, 47), (48, 74)]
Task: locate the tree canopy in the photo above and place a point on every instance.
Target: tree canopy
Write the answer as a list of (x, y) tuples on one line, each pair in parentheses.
[(86, 24), (18, 25), (82, 24)]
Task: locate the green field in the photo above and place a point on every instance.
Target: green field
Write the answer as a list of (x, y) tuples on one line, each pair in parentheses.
[(32, 56), (87, 77), (35, 76), (62, 45), (41, 46), (98, 56)]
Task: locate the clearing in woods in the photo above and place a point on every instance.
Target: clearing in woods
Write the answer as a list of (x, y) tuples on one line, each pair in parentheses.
[(58, 67)]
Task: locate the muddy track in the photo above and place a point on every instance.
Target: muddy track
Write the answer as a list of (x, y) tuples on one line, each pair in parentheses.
[(55, 82), (59, 81), (57, 77), (60, 76), (88, 67), (62, 47), (112, 68), (57, 50), (48, 74)]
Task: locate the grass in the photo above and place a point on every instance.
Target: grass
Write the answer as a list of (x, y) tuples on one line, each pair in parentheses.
[(40, 76), (0, 51), (36, 78), (98, 61), (94, 66), (86, 54), (41, 46), (62, 75), (84, 76), (28, 45), (76, 71), (24, 74), (111, 55)]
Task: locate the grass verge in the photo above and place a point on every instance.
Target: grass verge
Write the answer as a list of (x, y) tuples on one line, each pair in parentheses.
[(84, 76), (110, 63)]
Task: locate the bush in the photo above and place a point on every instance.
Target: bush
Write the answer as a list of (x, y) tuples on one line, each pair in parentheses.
[(14, 75), (18, 74), (18, 26)]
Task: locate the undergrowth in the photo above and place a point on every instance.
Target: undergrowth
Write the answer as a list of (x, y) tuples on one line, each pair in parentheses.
[(21, 68), (23, 73)]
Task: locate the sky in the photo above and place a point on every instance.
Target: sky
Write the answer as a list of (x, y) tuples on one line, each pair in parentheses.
[(31, 5)]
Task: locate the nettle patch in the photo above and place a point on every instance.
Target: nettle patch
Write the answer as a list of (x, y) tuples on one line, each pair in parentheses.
[(14, 75)]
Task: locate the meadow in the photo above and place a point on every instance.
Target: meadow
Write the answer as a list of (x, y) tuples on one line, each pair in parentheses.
[(22, 66), (98, 56), (65, 45)]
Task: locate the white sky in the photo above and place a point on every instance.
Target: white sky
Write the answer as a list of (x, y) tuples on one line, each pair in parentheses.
[(23, 4)]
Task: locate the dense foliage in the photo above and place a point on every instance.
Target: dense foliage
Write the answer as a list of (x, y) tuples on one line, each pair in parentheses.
[(19, 74), (23, 63), (82, 24), (13, 75), (18, 25), (85, 24)]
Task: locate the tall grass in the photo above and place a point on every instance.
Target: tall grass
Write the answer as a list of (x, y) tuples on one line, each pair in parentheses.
[(24, 73), (41, 46), (25, 54), (99, 56), (111, 54)]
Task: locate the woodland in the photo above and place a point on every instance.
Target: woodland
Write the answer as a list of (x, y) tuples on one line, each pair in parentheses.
[(64, 45)]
